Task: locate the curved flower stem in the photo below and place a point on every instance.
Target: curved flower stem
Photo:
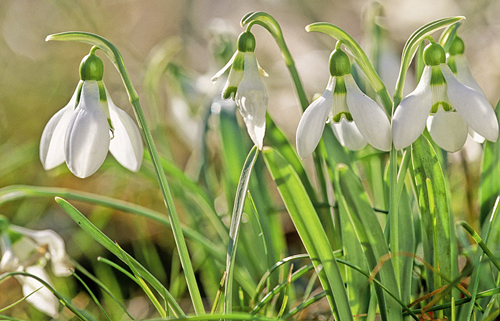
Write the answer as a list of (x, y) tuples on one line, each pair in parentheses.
[(114, 55), (270, 24), (360, 57), (411, 47)]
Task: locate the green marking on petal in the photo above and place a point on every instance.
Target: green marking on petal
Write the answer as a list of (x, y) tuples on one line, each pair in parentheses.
[(79, 92), (343, 114), (229, 91), (452, 63), (446, 107), (102, 92), (239, 61), (340, 86), (437, 77)]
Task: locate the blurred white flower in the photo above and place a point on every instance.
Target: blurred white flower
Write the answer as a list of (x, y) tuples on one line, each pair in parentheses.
[(355, 118), (82, 132), (244, 83), (30, 251), (446, 106)]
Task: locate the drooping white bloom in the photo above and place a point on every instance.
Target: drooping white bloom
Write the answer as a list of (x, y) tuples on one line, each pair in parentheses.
[(251, 98), (80, 133), (30, 251), (244, 83), (461, 107), (356, 119)]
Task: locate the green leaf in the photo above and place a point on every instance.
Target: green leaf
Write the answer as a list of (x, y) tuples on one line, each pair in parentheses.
[(239, 203), (438, 234), (371, 238), (312, 234), (100, 237)]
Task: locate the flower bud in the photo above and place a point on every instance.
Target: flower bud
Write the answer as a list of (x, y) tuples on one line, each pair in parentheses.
[(339, 64), (246, 42), (434, 55), (457, 47), (91, 67)]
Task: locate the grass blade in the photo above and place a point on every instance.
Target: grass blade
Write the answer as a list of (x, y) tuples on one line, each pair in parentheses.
[(306, 221), (97, 235), (239, 202)]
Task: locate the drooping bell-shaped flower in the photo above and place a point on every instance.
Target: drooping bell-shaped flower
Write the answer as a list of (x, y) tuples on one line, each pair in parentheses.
[(89, 126), (245, 85), (445, 105), (458, 64), (356, 119), (29, 251)]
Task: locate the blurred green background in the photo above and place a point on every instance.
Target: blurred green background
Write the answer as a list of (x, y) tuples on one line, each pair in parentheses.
[(37, 78)]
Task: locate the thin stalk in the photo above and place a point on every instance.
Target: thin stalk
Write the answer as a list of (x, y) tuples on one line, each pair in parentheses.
[(114, 55)]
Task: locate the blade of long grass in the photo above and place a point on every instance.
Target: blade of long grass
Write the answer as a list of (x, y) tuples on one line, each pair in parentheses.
[(239, 202), (92, 295), (102, 286), (306, 221), (438, 235), (97, 235), (474, 283), (371, 238)]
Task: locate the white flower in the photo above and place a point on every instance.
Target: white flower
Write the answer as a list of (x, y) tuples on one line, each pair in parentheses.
[(245, 84), (355, 118), (29, 251), (448, 108), (251, 98), (80, 133)]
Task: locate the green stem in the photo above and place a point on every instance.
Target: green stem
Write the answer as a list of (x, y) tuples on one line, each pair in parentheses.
[(270, 24), (360, 57), (114, 55)]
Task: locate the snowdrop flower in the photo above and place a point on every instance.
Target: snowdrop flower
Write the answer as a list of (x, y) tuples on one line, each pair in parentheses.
[(445, 105), (245, 85), (458, 64), (356, 119), (29, 251), (84, 130)]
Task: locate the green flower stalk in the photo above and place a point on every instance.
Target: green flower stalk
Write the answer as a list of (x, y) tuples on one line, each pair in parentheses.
[(90, 125), (245, 86)]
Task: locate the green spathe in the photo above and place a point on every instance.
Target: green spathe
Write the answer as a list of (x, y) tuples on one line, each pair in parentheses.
[(434, 54), (91, 67)]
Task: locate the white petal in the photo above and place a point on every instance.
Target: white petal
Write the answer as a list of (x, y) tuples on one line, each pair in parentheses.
[(55, 243), (348, 135), (9, 260), (411, 115), (448, 130), (369, 117), (126, 144), (475, 136), (52, 142), (252, 100), (223, 70), (87, 137), (42, 299), (464, 75), (312, 124), (472, 106)]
